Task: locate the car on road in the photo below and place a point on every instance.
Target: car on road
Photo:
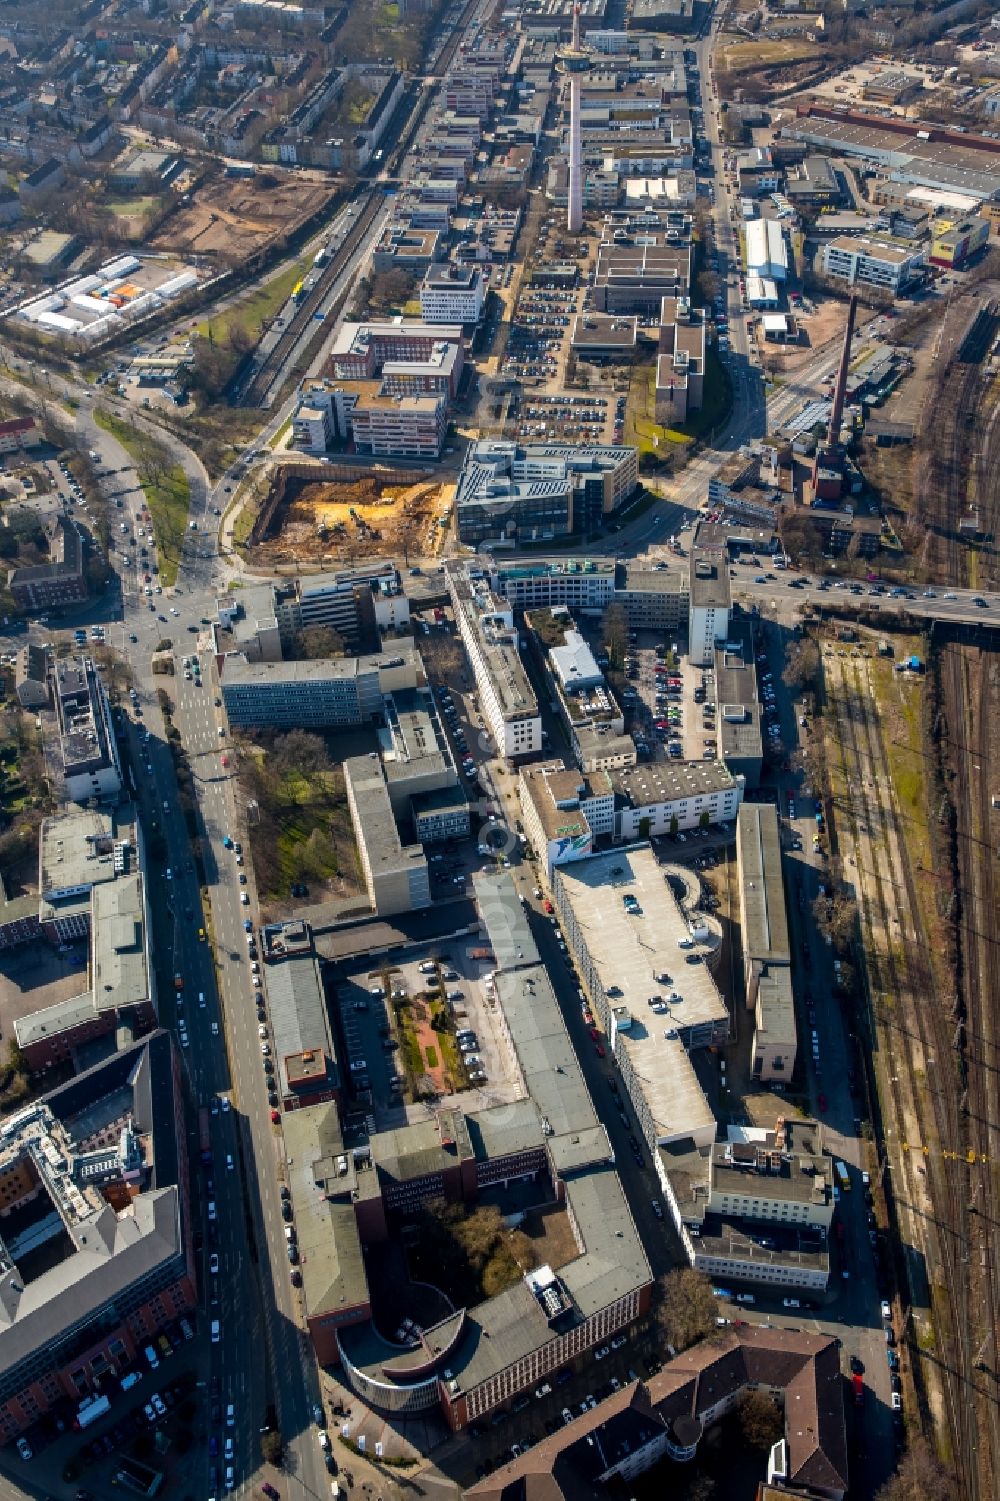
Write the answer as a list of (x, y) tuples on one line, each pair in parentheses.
[(24, 1449), (216, 1332), (213, 1263)]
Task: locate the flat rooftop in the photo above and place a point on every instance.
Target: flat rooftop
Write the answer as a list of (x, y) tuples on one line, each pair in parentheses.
[(876, 250), (330, 1253), (297, 1006), (119, 958), (487, 615), (762, 895), (667, 782), (709, 580), (604, 331), (630, 954), (238, 671)]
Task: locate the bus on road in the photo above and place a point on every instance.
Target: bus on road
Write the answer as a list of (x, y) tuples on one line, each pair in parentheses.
[(843, 1177), (297, 291), (205, 1136)]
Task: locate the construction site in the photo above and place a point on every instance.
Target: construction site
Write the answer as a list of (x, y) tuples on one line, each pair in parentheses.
[(233, 218), (365, 514)]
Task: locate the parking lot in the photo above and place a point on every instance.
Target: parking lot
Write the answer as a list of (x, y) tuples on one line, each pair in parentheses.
[(419, 1028), (538, 352)]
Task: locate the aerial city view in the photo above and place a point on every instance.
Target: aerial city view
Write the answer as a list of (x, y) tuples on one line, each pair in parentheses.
[(499, 816)]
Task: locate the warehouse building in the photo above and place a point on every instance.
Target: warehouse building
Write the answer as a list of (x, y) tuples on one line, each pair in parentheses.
[(766, 252)]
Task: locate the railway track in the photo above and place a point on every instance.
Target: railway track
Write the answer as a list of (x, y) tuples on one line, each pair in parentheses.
[(260, 388), (964, 451), (970, 678), (918, 1046)]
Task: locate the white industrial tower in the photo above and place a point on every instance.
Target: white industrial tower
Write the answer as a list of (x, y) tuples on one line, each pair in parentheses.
[(574, 61)]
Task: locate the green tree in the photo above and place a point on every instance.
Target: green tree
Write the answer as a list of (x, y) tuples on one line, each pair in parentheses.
[(705, 819), (674, 825)]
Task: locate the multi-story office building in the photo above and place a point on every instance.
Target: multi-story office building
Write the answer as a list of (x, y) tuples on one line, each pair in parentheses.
[(473, 1362), (653, 600), (452, 294), (507, 700), (92, 892), (322, 694), (97, 1239), (397, 878), (565, 811), (708, 604), (514, 492), (767, 974), (307, 1070), (411, 358), (757, 1207), (585, 585), (360, 604), (635, 278), (680, 366), (87, 745), (387, 426), (868, 262), (60, 581)]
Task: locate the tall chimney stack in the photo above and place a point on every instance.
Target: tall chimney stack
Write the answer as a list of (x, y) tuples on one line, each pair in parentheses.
[(574, 211), (840, 389)]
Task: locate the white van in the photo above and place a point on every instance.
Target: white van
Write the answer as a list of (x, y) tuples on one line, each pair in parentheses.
[(152, 1358), (201, 999)]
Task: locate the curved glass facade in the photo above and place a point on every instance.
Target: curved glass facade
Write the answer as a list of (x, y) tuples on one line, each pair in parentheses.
[(387, 1396)]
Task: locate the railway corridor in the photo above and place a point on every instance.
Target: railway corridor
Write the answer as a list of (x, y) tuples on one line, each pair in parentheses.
[(911, 1034)]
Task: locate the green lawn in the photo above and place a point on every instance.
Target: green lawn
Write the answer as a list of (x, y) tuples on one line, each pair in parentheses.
[(641, 427), (131, 208), (165, 485), (260, 306)]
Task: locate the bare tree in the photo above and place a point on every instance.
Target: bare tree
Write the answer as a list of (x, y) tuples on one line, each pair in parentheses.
[(921, 1477), (760, 1419), (684, 1308), (614, 634)]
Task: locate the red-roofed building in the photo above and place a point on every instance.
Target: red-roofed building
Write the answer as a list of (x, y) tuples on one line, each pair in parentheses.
[(18, 433)]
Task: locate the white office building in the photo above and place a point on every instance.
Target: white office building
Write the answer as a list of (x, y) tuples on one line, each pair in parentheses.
[(708, 605), (506, 698), (452, 294), (872, 263)]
